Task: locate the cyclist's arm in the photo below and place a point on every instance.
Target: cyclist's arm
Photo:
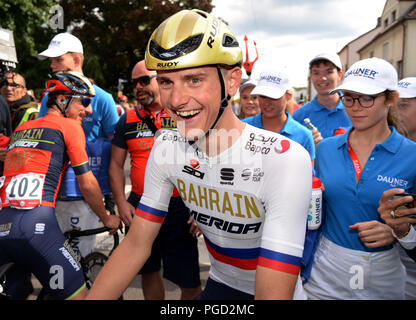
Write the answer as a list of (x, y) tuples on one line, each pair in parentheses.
[(75, 148), (274, 284), (91, 192), (286, 197), (125, 262), (135, 249), (118, 183)]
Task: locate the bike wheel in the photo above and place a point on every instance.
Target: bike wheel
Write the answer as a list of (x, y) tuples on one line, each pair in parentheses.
[(92, 265)]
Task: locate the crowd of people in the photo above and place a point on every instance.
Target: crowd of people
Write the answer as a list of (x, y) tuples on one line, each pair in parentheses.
[(241, 177)]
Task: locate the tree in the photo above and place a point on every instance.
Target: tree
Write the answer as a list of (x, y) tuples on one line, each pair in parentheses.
[(114, 33), (28, 20)]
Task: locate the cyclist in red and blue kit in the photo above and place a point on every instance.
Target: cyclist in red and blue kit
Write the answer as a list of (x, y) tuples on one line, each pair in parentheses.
[(37, 156)]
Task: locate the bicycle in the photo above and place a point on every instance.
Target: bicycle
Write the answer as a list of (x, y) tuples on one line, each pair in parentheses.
[(91, 264)]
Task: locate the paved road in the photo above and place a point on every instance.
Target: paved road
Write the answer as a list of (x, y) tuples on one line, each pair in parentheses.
[(104, 244), (134, 292)]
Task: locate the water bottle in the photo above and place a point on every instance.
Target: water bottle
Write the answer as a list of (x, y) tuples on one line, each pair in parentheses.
[(308, 124), (315, 208)]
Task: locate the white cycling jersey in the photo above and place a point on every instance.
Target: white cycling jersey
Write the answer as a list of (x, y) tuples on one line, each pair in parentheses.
[(250, 201)]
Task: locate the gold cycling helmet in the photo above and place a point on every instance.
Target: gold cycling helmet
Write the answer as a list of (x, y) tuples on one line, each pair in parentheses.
[(192, 38)]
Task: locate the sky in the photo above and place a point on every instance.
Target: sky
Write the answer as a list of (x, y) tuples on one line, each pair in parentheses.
[(289, 33)]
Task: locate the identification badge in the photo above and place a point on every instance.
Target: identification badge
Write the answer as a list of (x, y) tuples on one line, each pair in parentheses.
[(25, 190)]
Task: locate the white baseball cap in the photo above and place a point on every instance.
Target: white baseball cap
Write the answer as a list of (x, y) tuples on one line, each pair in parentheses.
[(369, 76), (407, 87), (272, 84), (331, 57), (61, 44), (248, 83)]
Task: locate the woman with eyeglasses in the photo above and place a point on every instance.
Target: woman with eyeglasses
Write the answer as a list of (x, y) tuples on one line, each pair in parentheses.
[(356, 257)]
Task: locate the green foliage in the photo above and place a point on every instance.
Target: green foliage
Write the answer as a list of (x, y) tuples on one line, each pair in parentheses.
[(27, 20), (114, 33)]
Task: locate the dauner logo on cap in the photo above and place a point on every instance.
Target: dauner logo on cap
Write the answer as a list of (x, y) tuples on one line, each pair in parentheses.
[(404, 84), (361, 72), (55, 43), (275, 80)]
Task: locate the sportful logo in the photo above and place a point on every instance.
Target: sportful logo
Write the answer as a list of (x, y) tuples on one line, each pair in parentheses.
[(227, 176), (362, 72), (272, 79)]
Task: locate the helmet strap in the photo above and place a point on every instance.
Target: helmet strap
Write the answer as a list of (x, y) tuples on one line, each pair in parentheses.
[(63, 111)]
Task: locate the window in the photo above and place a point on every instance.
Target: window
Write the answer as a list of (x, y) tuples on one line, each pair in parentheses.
[(371, 54), (386, 23), (393, 16), (386, 51), (400, 69)]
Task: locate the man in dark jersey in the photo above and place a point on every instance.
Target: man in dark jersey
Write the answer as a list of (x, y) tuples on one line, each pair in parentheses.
[(37, 157)]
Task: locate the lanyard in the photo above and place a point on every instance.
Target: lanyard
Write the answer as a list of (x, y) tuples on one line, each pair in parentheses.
[(355, 161), (147, 117)]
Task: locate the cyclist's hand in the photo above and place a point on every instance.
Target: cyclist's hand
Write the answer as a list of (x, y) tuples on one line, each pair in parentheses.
[(113, 222), (126, 212), (194, 229)]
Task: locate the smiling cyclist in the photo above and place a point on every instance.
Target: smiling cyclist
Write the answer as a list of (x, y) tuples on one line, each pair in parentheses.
[(247, 189)]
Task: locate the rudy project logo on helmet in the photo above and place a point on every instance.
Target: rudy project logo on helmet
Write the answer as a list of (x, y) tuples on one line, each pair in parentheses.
[(167, 64), (213, 33), (362, 72)]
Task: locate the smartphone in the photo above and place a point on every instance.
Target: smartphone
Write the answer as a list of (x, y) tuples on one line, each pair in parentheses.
[(411, 204)]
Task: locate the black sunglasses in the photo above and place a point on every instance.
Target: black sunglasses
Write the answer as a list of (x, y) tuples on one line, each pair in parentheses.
[(13, 84), (144, 81)]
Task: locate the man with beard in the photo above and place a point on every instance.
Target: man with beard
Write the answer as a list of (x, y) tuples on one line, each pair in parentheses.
[(175, 246)]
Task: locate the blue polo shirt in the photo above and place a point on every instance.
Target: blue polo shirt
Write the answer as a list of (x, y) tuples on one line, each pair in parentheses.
[(102, 121), (390, 165), (325, 120), (291, 129)]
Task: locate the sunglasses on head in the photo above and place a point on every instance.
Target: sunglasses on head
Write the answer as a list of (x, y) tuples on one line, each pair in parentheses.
[(85, 101), (144, 81)]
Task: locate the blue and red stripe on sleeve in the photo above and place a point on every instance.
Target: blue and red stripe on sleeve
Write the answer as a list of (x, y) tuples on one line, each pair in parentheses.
[(149, 213), (248, 259)]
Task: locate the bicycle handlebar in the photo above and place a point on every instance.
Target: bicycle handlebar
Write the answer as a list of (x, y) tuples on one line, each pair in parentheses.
[(74, 233)]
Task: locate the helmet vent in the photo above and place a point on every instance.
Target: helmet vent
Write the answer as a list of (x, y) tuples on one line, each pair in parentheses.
[(186, 46), (202, 14), (229, 41)]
